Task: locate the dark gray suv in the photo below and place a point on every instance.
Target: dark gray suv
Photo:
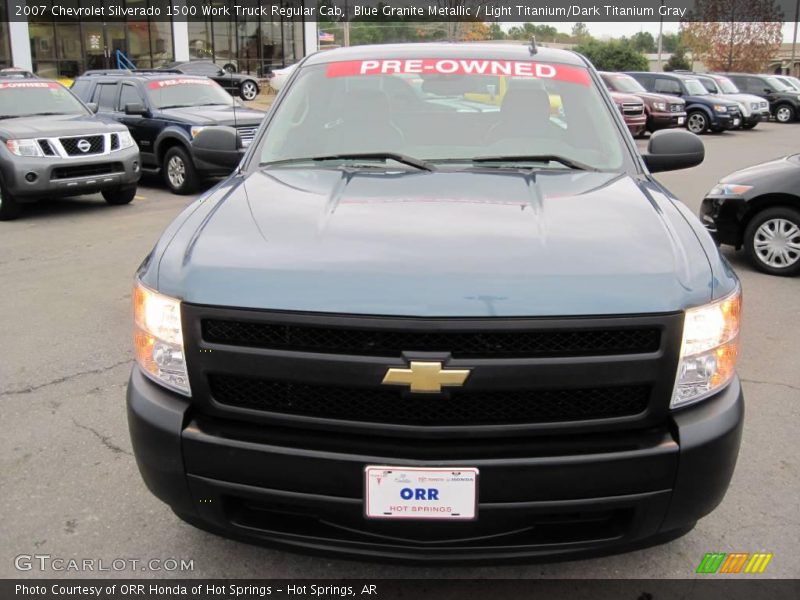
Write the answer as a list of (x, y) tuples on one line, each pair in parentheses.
[(52, 145)]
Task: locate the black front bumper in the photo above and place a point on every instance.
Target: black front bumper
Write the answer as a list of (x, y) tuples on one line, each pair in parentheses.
[(546, 497)]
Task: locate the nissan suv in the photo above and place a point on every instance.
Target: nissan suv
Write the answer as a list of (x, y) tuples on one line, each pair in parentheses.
[(164, 111), (407, 330), (52, 145), (704, 111)]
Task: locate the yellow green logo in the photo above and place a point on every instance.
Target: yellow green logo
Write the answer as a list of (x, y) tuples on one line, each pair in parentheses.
[(734, 562)]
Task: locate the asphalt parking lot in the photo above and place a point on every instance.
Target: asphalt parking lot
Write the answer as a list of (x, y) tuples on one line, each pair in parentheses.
[(70, 487)]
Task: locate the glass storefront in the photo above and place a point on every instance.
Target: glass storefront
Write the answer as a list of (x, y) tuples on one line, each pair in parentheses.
[(66, 49), (5, 43), (254, 46)]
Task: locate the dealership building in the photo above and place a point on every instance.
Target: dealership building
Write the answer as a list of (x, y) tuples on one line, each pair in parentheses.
[(65, 48)]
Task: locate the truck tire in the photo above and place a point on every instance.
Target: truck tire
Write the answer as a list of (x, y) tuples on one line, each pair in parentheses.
[(9, 207), (772, 241), (179, 172), (785, 113), (119, 196), (697, 122), (248, 90)]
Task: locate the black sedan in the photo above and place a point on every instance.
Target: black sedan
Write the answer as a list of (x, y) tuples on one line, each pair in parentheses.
[(236, 84), (759, 208)]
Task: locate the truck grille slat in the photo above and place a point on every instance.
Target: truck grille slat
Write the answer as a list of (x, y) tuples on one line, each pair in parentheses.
[(458, 408), (460, 344)]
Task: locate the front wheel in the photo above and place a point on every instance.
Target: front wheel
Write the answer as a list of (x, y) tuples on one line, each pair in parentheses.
[(697, 122), (248, 90), (784, 114), (772, 241), (119, 196), (179, 172), (9, 207)]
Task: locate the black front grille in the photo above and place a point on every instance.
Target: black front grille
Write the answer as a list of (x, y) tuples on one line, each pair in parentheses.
[(87, 170), (460, 407), (47, 149), (72, 145), (114, 141), (460, 344), (676, 108)]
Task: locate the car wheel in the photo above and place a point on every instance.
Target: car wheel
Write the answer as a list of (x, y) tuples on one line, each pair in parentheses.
[(119, 196), (772, 241), (784, 114), (9, 207), (697, 122), (248, 90), (179, 172)]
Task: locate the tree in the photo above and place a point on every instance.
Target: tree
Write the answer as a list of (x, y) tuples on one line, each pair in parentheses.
[(643, 42), (613, 55), (475, 31), (669, 42), (496, 32), (734, 35), (580, 32), (678, 61)]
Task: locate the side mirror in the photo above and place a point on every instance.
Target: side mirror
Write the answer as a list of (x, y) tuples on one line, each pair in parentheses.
[(218, 146), (92, 106), (135, 108), (671, 149)]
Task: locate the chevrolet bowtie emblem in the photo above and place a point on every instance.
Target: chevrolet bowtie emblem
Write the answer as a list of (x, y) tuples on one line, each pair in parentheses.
[(426, 377)]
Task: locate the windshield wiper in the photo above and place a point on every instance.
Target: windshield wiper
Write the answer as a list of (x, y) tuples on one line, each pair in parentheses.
[(47, 114), (401, 158), (545, 158)]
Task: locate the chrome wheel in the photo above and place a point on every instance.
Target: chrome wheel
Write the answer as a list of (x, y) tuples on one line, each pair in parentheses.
[(696, 123), (784, 114), (249, 90), (176, 172), (776, 243)]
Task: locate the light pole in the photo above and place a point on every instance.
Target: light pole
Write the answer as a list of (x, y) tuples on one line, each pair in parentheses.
[(660, 37), (794, 39)]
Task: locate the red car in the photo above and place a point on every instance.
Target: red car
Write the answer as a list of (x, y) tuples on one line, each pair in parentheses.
[(632, 109), (662, 111)]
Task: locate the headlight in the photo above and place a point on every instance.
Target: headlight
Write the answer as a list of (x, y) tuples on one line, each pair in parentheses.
[(729, 189), (662, 106), (196, 130), (158, 338), (24, 147), (709, 350), (720, 108), (125, 139)]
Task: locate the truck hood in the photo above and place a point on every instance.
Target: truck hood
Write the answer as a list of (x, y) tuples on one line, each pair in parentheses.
[(216, 115), (650, 97), (55, 126), (438, 244)]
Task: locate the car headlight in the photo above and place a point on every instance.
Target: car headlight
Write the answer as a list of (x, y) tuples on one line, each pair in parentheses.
[(729, 189), (709, 350), (197, 129), (662, 106), (720, 108), (24, 147), (125, 139), (158, 338)]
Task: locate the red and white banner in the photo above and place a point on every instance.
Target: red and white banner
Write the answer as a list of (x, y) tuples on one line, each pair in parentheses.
[(162, 83), (12, 85), (460, 66)]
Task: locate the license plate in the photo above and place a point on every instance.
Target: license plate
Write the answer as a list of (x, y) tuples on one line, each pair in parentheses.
[(411, 493), (735, 122), (680, 120)]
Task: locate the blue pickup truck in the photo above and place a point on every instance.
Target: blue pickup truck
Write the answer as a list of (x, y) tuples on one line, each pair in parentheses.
[(441, 311)]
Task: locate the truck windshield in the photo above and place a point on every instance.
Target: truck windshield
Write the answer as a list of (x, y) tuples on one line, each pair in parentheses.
[(695, 88), (26, 98), (727, 86), (446, 111), (627, 84), (186, 92)]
